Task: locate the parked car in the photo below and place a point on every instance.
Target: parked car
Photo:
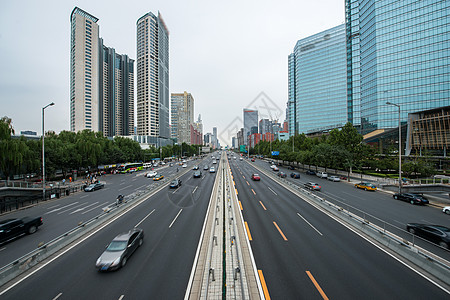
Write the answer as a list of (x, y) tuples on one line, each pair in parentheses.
[(322, 175), (151, 174), (295, 175), (13, 228), (343, 178), (446, 210), (212, 170), (367, 186), (176, 183), (334, 178), (197, 174), (120, 249), (94, 187), (411, 198), (158, 177), (281, 174), (434, 233), (312, 186), (256, 177), (310, 172)]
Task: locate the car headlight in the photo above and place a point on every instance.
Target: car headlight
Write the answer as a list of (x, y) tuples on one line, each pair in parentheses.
[(99, 261), (116, 262)]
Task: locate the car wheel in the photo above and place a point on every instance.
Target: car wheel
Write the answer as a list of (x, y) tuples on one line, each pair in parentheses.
[(411, 230), (447, 211), (365, 189), (395, 197), (443, 244), (412, 201), (32, 229), (124, 262), (140, 242)]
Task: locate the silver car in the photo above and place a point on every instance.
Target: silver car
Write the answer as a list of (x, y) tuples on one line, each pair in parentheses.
[(120, 249)]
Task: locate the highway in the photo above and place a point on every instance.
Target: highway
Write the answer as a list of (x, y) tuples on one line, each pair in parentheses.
[(302, 253), (172, 221)]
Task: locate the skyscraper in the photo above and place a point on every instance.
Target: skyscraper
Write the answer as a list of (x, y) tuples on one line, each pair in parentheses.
[(84, 73), (182, 108), (397, 51), (152, 76), (116, 99), (250, 120)]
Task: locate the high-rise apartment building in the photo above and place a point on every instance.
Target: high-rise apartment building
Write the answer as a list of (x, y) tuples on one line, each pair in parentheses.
[(397, 52), (116, 98), (182, 108), (250, 120), (152, 76), (317, 82), (84, 71), (265, 126)]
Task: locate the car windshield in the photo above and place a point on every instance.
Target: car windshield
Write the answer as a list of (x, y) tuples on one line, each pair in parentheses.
[(255, 175), (442, 228), (117, 246), (175, 182), (92, 185)]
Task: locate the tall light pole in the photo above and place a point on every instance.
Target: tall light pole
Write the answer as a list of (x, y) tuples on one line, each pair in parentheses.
[(399, 148), (43, 151)]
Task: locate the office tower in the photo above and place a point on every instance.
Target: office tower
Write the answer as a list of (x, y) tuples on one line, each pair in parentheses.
[(116, 99), (265, 126), (397, 52), (250, 120), (317, 87), (182, 106), (84, 73), (152, 76)]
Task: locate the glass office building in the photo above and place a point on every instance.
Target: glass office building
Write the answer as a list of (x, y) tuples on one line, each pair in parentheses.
[(317, 82), (398, 51)]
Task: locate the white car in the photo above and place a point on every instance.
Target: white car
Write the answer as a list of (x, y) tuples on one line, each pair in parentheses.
[(334, 178), (212, 170), (273, 167), (184, 166), (446, 210), (323, 175), (151, 174), (240, 158), (214, 162)]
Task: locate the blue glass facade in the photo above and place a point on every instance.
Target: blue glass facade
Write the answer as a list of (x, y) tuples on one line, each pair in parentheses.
[(402, 51), (290, 112), (317, 74)]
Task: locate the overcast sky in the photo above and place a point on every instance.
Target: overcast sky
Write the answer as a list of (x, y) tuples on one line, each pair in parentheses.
[(225, 53)]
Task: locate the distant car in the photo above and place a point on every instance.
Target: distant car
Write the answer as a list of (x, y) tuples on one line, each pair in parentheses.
[(291, 168), (205, 167), (151, 174), (434, 233), (334, 178), (281, 175), (295, 175), (155, 165), (171, 165), (176, 183), (234, 157), (446, 210), (275, 168), (94, 187), (253, 159), (322, 175), (184, 166), (256, 177), (310, 172), (212, 170), (240, 158), (197, 174), (214, 162), (411, 198), (312, 186), (158, 177), (195, 167), (120, 249), (367, 186)]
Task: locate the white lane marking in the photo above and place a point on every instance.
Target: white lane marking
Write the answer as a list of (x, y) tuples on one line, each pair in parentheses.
[(195, 189), (2, 248), (51, 207), (66, 210), (398, 222), (175, 218), (426, 221), (93, 208), (309, 224), (142, 187), (122, 183), (57, 209), (121, 297), (83, 208), (272, 190), (84, 196), (125, 187), (134, 179), (57, 296), (175, 190), (144, 218)]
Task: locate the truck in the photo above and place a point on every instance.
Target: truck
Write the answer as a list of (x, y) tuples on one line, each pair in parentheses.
[(13, 228)]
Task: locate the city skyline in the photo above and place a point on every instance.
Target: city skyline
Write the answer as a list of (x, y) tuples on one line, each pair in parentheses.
[(193, 47)]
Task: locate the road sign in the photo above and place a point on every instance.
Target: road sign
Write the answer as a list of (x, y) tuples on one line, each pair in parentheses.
[(242, 148), (275, 153)]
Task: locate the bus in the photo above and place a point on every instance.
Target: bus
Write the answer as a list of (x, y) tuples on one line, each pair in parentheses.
[(131, 167)]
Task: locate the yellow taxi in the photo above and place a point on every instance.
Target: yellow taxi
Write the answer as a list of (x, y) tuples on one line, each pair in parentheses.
[(367, 186), (158, 177)]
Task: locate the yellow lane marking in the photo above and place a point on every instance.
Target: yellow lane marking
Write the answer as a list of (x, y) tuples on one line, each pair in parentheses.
[(236, 191), (253, 192), (248, 232), (281, 232), (262, 205), (317, 285), (240, 204), (247, 183), (264, 286)]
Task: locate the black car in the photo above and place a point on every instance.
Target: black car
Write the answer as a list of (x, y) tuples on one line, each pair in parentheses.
[(197, 174), (176, 183), (411, 198), (291, 168), (310, 172), (94, 187), (120, 249), (295, 175), (434, 233)]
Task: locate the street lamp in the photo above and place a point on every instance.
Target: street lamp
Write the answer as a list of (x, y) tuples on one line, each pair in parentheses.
[(43, 151), (399, 148)]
